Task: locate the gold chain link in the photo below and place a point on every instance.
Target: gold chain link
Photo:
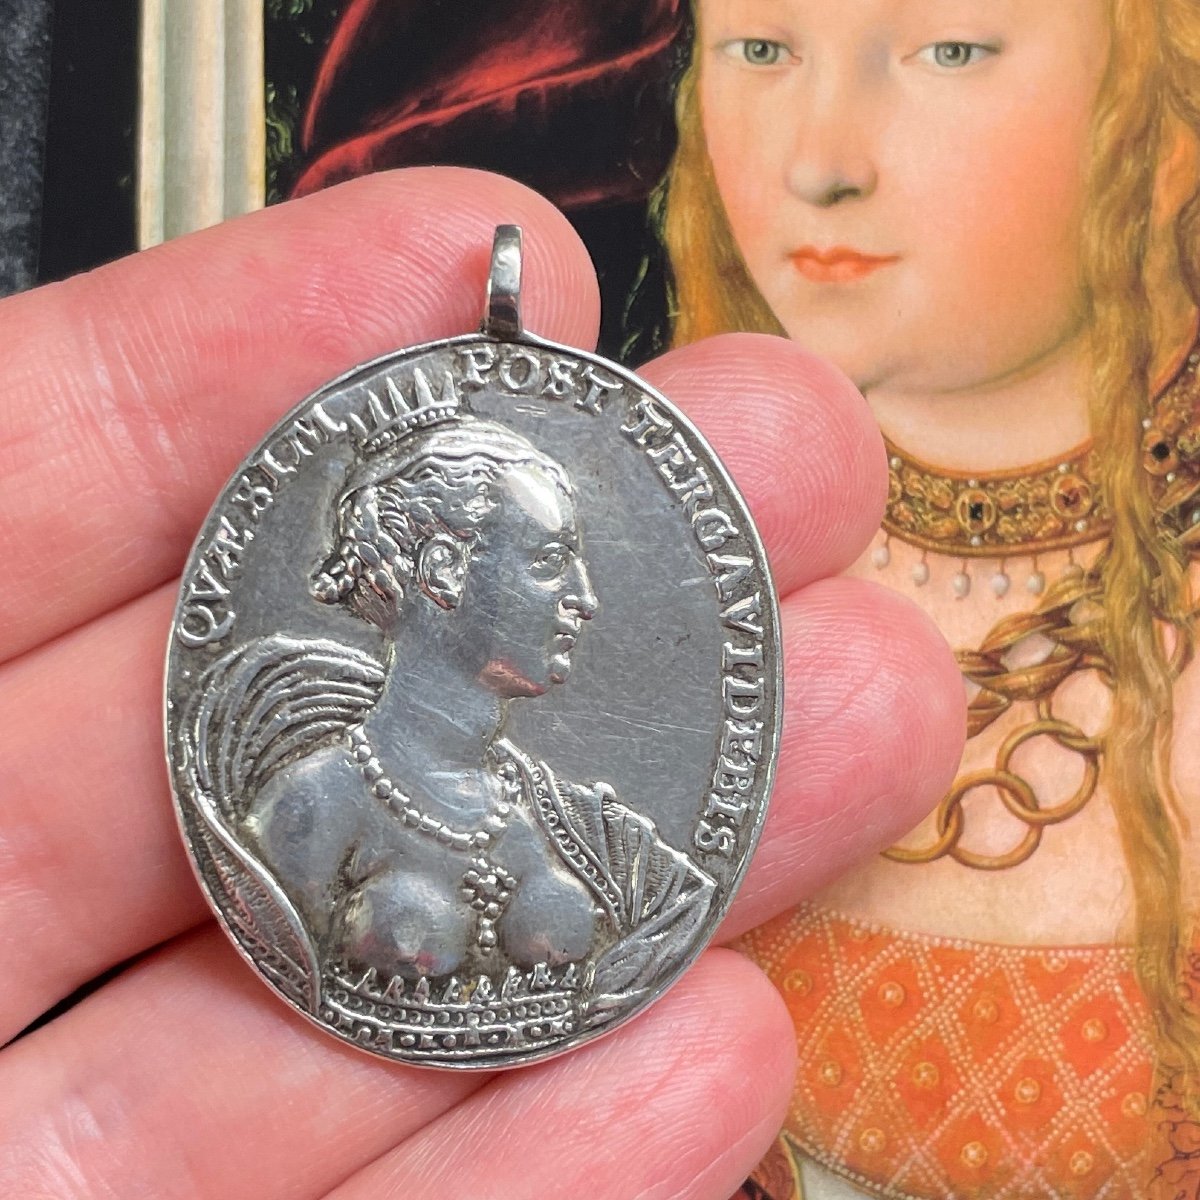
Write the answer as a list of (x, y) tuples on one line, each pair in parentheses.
[(1065, 619), (929, 507)]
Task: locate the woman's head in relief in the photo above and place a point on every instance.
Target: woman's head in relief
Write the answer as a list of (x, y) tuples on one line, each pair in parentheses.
[(466, 524), (902, 185)]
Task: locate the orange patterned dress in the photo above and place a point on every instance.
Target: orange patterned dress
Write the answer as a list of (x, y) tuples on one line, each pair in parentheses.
[(935, 1068)]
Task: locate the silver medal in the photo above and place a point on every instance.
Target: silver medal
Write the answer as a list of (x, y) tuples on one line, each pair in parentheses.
[(473, 697)]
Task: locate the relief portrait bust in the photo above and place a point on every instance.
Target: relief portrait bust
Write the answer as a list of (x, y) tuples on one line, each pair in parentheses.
[(373, 805)]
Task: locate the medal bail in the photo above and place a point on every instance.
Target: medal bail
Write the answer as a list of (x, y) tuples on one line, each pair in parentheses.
[(502, 309)]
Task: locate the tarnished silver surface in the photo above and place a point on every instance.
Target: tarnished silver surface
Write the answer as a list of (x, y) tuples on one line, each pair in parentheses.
[(473, 697)]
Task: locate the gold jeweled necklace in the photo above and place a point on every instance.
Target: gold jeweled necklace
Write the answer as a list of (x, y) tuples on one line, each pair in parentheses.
[(1052, 505), (1056, 504)]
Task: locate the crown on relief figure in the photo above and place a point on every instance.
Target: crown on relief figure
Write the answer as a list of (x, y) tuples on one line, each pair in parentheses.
[(394, 415)]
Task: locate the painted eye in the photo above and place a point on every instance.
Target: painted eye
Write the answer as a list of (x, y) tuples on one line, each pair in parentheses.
[(758, 52), (953, 56)]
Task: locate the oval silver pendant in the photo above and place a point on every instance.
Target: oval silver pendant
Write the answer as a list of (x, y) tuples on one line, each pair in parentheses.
[(473, 697)]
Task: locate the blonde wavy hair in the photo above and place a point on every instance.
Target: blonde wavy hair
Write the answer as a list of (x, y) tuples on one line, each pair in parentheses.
[(1142, 632)]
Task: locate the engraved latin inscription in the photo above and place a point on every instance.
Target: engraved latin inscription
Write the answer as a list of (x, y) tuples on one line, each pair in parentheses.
[(738, 585), (532, 372), (207, 614)]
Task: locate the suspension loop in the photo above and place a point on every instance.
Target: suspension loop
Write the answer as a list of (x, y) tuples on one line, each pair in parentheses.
[(502, 306)]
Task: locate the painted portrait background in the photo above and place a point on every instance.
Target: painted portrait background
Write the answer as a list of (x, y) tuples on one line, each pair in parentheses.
[(987, 215), (582, 114)]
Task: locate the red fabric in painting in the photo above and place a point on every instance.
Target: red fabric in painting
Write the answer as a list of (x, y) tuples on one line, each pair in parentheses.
[(568, 95)]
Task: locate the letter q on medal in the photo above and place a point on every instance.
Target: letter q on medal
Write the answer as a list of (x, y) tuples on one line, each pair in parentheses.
[(474, 697)]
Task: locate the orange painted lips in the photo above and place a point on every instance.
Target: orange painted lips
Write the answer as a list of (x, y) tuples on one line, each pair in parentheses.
[(838, 265)]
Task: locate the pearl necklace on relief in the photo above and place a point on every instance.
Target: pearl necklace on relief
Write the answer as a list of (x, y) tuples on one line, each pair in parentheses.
[(996, 517)]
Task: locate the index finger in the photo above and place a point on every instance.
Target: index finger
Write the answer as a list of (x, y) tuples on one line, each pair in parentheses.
[(128, 395)]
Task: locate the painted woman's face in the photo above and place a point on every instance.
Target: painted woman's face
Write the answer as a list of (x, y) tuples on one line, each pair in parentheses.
[(905, 178)]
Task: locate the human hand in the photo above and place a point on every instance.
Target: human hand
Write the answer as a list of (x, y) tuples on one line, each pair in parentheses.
[(126, 398)]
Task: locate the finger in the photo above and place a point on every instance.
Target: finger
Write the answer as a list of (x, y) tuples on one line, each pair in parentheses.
[(92, 868), (798, 439), (185, 1079), (681, 1102), (128, 395), (872, 738)]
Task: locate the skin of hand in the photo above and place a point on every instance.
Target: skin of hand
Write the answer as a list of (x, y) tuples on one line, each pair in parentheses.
[(127, 396)]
